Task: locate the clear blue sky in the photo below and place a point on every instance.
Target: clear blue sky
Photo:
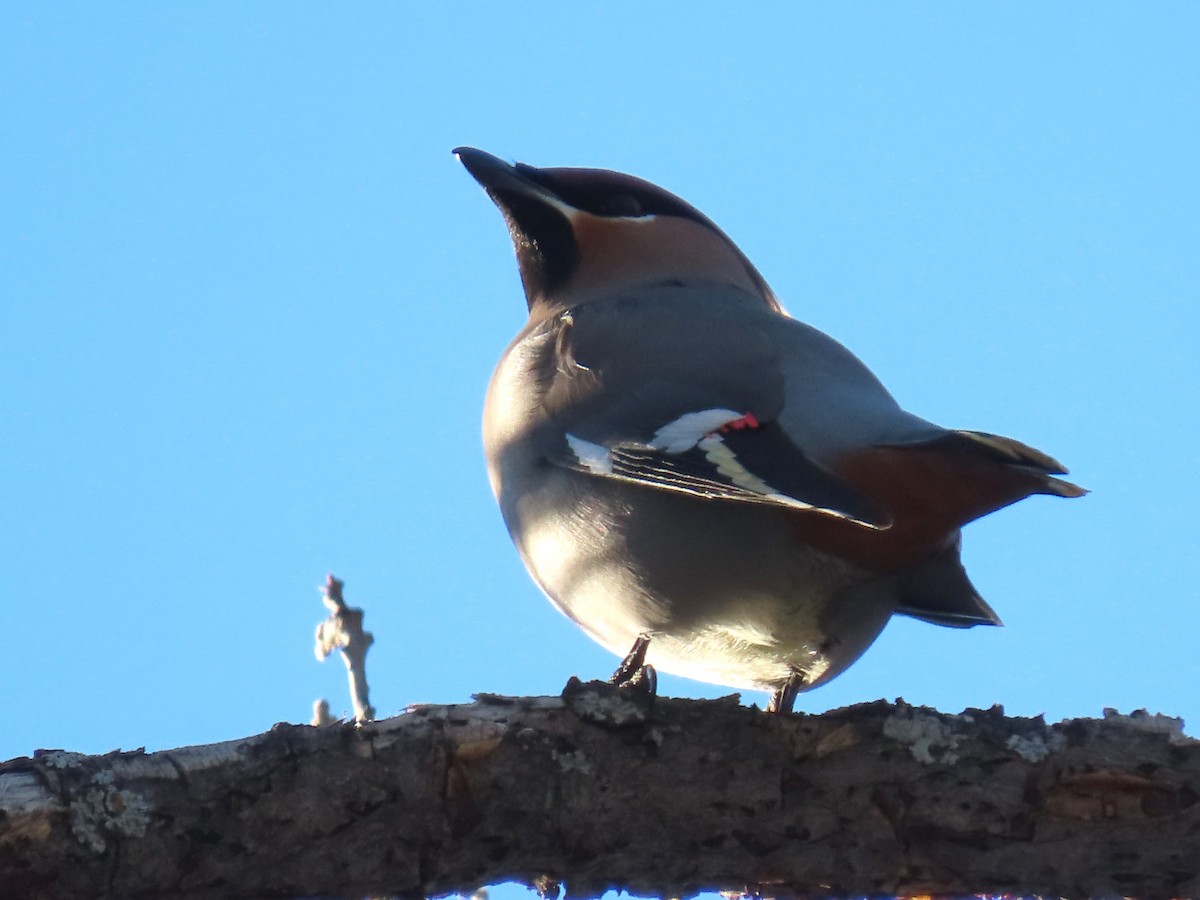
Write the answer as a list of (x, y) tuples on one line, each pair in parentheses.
[(249, 304)]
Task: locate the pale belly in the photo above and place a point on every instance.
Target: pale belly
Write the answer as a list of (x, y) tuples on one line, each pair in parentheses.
[(724, 592)]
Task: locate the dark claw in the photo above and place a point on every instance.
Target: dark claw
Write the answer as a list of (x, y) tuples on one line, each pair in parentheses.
[(784, 698), (632, 664), (644, 681), (633, 674)]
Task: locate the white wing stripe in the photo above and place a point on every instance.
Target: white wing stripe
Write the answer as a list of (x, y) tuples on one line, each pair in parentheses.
[(593, 457), (726, 461), (687, 431)]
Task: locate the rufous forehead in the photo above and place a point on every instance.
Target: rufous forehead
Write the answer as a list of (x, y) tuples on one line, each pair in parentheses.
[(653, 248)]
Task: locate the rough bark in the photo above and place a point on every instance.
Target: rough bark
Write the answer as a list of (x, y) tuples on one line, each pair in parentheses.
[(599, 790)]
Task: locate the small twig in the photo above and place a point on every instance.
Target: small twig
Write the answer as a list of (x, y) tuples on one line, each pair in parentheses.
[(321, 715), (343, 631)]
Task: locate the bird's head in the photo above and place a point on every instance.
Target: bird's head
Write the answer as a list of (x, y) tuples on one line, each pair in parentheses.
[(580, 234)]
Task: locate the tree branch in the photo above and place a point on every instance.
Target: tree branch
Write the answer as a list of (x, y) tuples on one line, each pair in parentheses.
[(600, 790)]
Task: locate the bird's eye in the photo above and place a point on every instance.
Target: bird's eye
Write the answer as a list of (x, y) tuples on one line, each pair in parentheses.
[(622, 206)]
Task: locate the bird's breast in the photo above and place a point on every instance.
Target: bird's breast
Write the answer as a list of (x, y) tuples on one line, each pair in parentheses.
[(723, 589)]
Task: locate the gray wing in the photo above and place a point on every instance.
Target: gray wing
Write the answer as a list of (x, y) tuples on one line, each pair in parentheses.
[(686, 394)]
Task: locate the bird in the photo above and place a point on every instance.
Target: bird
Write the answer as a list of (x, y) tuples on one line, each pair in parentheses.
[(690, 473)]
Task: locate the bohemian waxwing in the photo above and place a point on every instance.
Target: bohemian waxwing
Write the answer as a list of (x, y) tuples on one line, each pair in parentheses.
[(678, 460)]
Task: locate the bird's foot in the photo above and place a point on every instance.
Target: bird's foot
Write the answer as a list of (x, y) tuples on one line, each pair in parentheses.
[(644, 681), (784, 698), (633, 674)]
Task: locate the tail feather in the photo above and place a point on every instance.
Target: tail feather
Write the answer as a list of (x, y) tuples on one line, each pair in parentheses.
[(931, 489), (1031, 460), (939, 591)]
